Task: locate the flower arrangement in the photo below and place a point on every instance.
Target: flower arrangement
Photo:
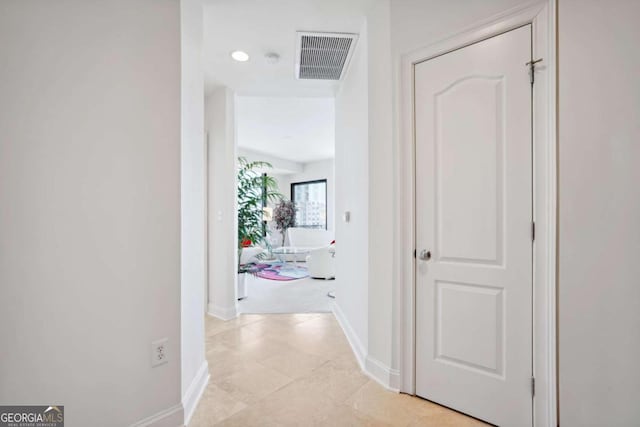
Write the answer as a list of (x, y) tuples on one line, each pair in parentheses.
[(284, 216)]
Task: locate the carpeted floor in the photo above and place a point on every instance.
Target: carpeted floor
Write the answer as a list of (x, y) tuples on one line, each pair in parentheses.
[(296, 296)]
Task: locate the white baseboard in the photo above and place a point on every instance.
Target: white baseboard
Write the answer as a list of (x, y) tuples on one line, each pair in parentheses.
[(223, 313), (356, 345), (194, 392), (382, 374), (170, 417), (373, 368)]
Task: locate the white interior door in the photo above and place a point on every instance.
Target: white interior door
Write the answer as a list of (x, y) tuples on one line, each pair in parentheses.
[(473, 229)]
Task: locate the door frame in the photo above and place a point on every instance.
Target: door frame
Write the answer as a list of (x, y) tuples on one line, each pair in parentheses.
[(542, 16)]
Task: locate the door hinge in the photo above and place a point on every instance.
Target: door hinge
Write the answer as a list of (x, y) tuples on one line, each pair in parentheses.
[(533, 386), (533, 231), (532, 68)]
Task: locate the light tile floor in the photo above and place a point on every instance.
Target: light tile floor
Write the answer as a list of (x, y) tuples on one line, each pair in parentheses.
[(298, 370)]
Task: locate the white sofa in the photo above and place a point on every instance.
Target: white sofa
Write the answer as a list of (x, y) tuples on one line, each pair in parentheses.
[(307, 239), (321, 263)]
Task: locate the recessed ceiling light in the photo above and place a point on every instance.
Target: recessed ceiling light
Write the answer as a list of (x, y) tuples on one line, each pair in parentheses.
[(240, 56)]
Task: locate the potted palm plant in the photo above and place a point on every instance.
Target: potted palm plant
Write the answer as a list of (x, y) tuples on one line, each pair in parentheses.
[(255, 190)]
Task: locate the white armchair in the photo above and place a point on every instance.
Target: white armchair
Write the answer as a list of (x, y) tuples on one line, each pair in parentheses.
[(307, 239), (321, 263)]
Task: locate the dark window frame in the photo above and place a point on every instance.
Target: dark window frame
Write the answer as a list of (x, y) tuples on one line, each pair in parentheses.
[(326, 196)]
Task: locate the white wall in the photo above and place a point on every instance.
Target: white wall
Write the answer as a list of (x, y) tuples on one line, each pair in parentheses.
[(283, 182), (220, 124), (382, 197), (279, 166), (599, 212), (90, 207), (194, 365), (418, 23), (365, 182), (352, 194)]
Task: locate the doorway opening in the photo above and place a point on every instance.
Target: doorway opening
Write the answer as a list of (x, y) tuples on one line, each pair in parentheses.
[(271, 124)]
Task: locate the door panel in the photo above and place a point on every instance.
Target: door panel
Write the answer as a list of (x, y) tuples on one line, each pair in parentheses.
[(473, 213), (466, 235), (469, 322)]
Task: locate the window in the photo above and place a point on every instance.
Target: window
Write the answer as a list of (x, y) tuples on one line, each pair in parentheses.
[(311, 200)]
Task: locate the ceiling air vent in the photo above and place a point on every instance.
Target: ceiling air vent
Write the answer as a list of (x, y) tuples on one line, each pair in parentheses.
[(323, 56)]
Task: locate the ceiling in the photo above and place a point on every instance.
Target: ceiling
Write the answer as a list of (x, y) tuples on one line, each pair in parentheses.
[(297, 129), (262, 26)]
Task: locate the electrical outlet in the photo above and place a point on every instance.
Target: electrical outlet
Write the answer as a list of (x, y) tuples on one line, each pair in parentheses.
[(159, 354)]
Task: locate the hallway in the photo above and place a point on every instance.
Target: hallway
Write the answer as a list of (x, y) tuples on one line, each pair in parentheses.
[(299, 370)]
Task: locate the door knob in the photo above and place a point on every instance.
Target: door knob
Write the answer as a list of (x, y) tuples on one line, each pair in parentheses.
[(425, 255)]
